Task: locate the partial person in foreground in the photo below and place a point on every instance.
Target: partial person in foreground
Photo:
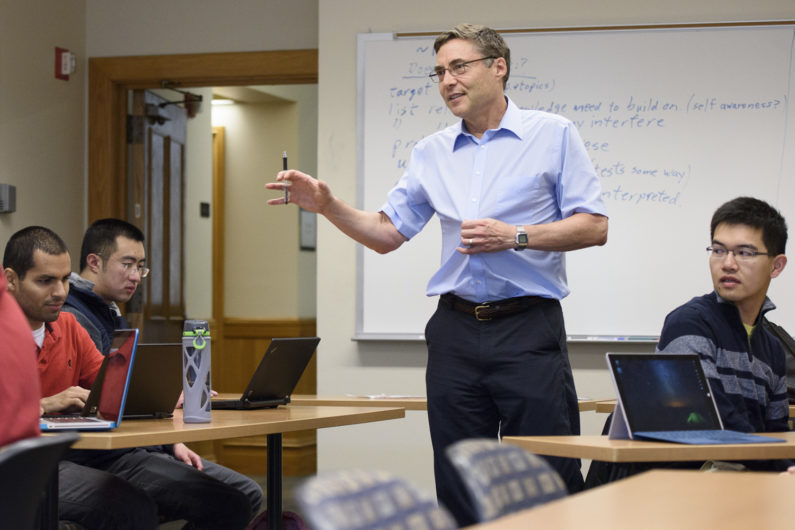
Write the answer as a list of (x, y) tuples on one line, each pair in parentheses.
[(744, 362), (126, 488), (514, 190), (19, 379)]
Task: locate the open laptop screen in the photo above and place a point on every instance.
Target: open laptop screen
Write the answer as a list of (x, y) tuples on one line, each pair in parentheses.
[(117, 373), (664, 392), (156, 381)]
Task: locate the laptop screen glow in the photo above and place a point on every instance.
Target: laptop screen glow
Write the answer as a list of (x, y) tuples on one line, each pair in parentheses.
[(117, 371), (664, 392)]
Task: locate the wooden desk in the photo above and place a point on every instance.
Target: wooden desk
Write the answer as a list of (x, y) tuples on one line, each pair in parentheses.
[(606, 450), (408, 403), (666, 500), (232, 424), (237, 423), (608, 405)]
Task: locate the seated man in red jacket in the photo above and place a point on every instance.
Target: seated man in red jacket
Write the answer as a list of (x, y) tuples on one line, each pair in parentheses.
[(127, 488), (19, 381)]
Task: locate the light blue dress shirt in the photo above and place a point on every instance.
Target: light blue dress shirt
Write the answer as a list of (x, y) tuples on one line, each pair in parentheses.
[(533, 169)]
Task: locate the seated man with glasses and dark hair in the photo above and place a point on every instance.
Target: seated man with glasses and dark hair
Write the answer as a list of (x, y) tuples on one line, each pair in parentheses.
[(112, 264), (744, 362)]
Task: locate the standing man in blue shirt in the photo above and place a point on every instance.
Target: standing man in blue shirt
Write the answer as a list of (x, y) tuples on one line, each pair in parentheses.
[(514, 190)]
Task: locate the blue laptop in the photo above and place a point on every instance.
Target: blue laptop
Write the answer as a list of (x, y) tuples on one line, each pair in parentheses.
[(104, 407), (667, 397)]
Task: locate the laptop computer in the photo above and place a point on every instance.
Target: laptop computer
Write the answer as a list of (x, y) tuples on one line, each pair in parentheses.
[(104, 407), (667, 397), (276, 376), (156, 381)]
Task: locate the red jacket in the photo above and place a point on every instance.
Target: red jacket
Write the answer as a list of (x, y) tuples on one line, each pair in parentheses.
[(19, 382), (68, 356)]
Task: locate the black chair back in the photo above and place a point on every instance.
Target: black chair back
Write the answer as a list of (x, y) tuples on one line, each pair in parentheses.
[(26, 470)]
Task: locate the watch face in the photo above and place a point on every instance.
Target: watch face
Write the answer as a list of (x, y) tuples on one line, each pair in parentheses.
[(521, 239)]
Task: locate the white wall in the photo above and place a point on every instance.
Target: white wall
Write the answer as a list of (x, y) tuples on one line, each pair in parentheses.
[(42, 118), (154, 27), (198, 230), (345, 366), (266, 275)]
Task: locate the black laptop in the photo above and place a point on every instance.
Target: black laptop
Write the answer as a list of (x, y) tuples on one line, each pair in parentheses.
[(276, 376), (667, 397), (156, 381)]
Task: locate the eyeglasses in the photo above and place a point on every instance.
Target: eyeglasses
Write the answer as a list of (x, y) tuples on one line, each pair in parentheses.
[(130, 268), (455, 70), (740, 254)]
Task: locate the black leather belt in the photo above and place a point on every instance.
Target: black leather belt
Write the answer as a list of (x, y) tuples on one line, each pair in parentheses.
[(490, 310)]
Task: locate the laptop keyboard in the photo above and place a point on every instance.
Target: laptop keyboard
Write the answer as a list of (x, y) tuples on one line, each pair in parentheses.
[(73, 419), (708, 437)]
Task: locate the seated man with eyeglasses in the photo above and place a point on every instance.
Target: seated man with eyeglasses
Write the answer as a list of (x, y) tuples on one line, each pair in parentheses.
[(744, 362), (112, 260)]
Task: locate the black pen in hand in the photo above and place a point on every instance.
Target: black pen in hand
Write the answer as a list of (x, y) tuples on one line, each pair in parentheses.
[(284, 167)]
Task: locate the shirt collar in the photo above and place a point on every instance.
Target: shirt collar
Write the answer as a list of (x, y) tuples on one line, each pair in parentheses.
[(511, 123), (80, 282), (53, 331), (767, 305), (87, 285)]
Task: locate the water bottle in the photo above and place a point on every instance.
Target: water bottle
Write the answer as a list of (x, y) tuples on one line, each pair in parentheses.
[(196, 371)]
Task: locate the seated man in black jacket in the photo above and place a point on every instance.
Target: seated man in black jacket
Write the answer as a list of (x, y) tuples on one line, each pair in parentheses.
[(112, 261), (743, 361), (112, 264)]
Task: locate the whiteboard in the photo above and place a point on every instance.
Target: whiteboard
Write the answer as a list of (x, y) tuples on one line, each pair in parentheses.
[(676, 121)]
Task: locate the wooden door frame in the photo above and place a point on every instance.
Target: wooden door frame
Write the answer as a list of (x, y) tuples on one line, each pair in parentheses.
[(109, 80), (219, 225)]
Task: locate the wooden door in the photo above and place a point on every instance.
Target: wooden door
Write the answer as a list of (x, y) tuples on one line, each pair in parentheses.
[(156, 145)]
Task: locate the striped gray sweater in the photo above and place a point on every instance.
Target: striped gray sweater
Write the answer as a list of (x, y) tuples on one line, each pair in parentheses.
[(747, 376)]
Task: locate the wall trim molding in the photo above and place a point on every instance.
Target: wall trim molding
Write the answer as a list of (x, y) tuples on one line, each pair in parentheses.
[(109, 79), (267, 328), (240, 347)]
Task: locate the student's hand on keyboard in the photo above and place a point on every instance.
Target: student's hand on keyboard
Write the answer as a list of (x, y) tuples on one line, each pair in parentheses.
[(70, 400)]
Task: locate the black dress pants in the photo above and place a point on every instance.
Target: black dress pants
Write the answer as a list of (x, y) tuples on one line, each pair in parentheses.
[(137, 488), (506, 376)]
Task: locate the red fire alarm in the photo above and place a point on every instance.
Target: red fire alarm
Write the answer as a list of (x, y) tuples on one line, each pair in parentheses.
[(64, 63)]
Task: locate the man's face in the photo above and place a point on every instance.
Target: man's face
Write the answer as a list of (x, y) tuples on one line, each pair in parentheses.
[(743, 282), (118, 276), (42, 292), (471, 94)]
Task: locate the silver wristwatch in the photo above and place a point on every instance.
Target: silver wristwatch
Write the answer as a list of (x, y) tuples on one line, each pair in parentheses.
[(520, 243)]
